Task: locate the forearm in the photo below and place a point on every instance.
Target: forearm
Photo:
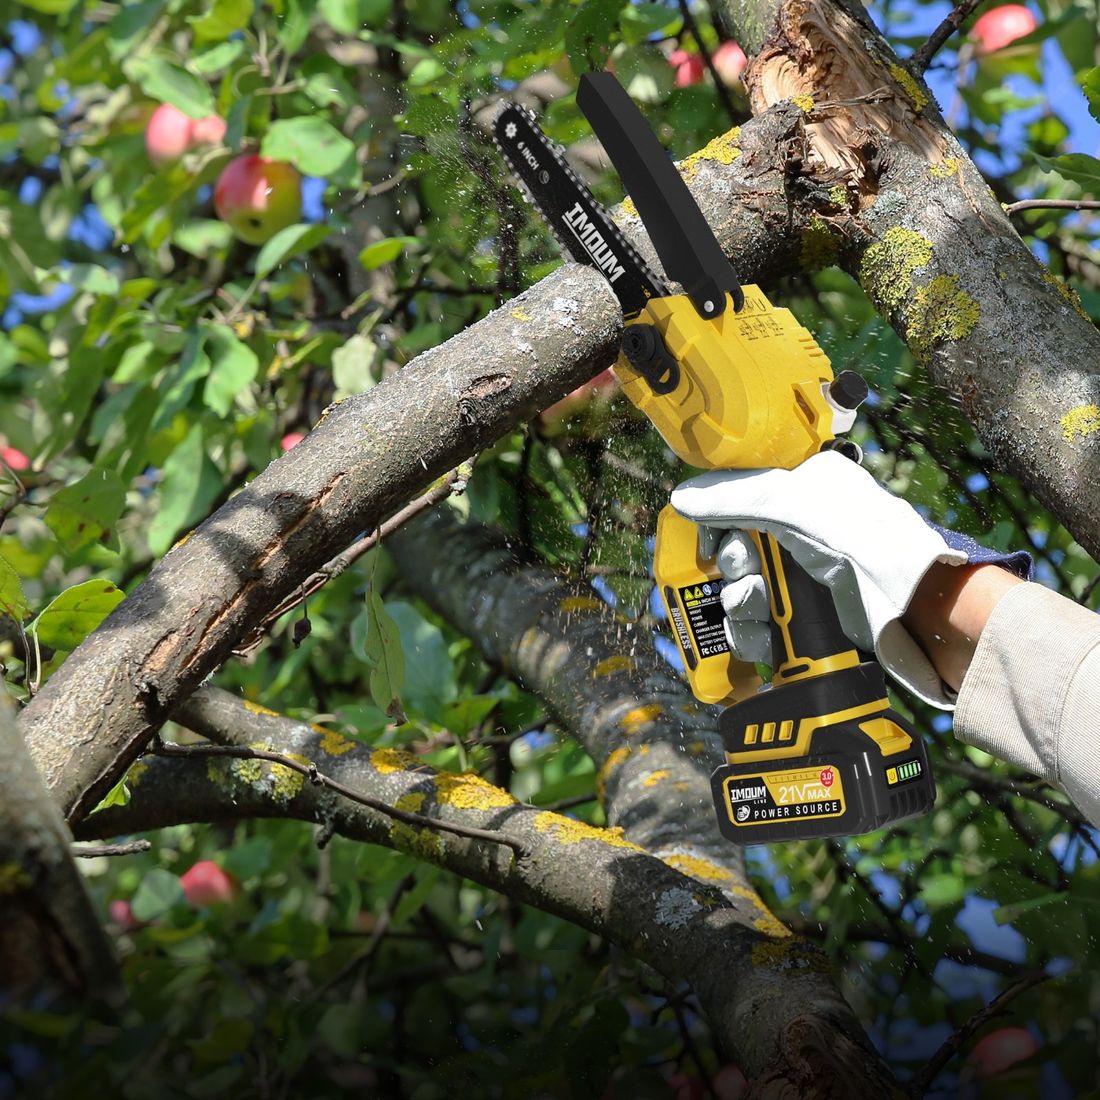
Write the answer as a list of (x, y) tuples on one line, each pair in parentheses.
[(949, 611)]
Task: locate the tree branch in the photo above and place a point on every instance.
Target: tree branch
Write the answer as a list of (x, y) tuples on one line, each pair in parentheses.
[(922, 57)]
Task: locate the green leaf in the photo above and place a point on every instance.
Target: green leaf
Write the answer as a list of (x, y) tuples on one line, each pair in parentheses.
[(70, 617), (158, 891), (588, 36), (217, 57), (352, 366), (639, 21), (424, 72), (342, 1029), (118, 795), (314, 146), (429, 680), (351, 16), (385, 251), (168, 83), (221, 19), (202, 237), (12, 601), (50, 7), (288, 242), (1078, 167), (81, 513), (233, 367), (1090, 82), (189, 484)]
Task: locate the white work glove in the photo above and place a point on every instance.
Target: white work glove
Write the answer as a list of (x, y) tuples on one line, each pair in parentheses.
[(868, 547)]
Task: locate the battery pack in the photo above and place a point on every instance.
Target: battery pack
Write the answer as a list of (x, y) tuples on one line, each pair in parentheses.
[(799, 768)]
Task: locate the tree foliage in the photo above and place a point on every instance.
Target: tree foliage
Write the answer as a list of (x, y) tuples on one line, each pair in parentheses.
[(151, 365)]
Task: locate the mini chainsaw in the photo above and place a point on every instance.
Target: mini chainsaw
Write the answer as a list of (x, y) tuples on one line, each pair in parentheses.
[(732, 382)]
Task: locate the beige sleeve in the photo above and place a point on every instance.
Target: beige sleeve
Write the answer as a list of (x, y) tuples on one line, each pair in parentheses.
[(1032, 693)]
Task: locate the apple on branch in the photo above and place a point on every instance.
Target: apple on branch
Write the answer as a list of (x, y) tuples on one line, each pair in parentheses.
[(729, 63), (170, 133), (690, 68), (1000, 27), (257, 197), (205, 883)]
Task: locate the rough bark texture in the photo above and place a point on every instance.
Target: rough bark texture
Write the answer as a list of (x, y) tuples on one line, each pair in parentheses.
[(655, 747), (749, 973), (50, 933), (369, 455), (934, 251)]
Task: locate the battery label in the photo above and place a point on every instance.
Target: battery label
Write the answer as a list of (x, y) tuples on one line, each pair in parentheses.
[(902, 773), (816, 792), (702, 604)]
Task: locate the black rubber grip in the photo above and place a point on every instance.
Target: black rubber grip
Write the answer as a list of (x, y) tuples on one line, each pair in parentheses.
[(812, 630)]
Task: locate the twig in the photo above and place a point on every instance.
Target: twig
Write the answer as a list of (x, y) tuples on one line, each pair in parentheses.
[(91, 851), (723, 92), (951, 1045), (238, 752), (922, 56), (1052, 204), (454, 482), (875, 96)]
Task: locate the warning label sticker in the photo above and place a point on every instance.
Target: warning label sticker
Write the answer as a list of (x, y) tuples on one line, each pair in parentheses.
[(702, 605), (800, 793)]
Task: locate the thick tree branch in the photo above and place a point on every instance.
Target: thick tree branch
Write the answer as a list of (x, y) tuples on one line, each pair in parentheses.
[(655, 747), (51, 936), (683, 927), (365, 459)]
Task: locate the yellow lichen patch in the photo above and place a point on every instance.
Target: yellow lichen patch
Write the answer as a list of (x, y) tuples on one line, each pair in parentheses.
[(1080, 422), (697, 748), (917, 95), (615, 760), (566, 830), (771, 925), (137, 769), (838, 195), (610, 665), (286, 782), (654, 778), (805, 103), (257, 708), (520, 314), (412, 802), (627, 208), (634, 719), (1068, 293), (886, 272), (720, 150), (470, 792), (335, 744), (819, 247), (790, 954), (702, 869), (941, 311), (947, 167), (180, 541), (13, 879), (581, 603), (388, 761), (421, 843)]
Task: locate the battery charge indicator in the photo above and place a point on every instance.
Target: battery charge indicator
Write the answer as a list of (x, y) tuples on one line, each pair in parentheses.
[(903, 772)]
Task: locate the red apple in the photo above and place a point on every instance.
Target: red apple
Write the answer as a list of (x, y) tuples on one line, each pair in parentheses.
[(690, 68), (729, 1083), (207, 131), (206, 884), (15, 459), (730, 62), (122, 915), (1001, 1049), (257, 197), (1001, 26), (170, 133), (292, 439), (591, 394)]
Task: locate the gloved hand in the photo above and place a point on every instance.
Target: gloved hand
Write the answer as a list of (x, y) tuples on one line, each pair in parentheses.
[(868, 547)]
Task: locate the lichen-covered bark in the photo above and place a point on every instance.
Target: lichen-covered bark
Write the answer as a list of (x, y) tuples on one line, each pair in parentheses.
[(655, 747), (50, 937), (365, 458), (935, 252), (682, 926)]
